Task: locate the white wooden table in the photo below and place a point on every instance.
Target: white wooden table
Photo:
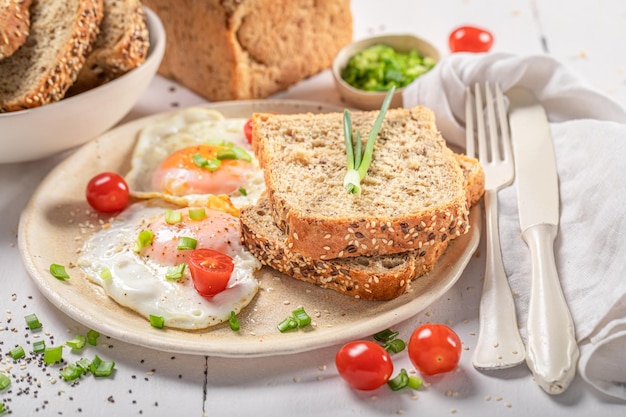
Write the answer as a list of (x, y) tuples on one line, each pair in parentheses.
[(588, 37)]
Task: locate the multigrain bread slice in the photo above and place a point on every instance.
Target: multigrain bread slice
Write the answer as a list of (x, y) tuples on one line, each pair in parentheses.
[(413, 194), (61, 35), (14, 25), (373, 278), (121, 45), (233, 49)]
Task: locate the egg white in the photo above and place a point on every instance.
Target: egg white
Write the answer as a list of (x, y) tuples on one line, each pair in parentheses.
[(189, 127), (139, 283)]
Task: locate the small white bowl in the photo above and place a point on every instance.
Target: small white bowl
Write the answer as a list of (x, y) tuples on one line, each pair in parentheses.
[(36, 133), (371, 100)]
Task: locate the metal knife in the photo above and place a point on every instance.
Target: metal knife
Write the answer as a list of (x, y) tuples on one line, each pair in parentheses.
[(552, 351)]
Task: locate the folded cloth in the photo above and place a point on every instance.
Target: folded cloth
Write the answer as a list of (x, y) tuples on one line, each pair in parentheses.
[(589, 133)]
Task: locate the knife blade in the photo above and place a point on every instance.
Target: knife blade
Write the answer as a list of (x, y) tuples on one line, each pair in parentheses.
[(552, 351)]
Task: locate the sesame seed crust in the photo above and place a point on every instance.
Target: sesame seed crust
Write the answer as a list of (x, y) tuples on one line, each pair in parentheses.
[(121, 46), (61, 35), (14, 25)]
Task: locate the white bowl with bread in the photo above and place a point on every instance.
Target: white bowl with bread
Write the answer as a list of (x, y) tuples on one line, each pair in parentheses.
[(402, 44), (87, 90)]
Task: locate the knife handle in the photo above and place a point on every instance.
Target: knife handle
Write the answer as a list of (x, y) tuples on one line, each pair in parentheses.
[(552, 351)]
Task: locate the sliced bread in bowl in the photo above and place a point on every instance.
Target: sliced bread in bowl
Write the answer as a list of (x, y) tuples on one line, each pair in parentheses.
[(14, 25), (62, 33)]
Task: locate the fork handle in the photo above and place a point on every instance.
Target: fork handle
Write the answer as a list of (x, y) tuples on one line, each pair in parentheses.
[(552, 348), (499, 343)]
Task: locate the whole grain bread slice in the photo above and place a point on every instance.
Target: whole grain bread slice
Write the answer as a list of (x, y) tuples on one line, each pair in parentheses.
[(14, 25), (61, 35), (121, 45), (413, 193), (373, 278)]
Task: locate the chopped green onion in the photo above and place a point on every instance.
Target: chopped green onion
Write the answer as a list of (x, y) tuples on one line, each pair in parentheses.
[(144, 239), (84, 364), (5, 381), (3, 408), (173, 217), (197, 214), (233, 322), (78, 342), (415, 382), (105, 274), (185, 242), (359, 161), (175, 272), (243, 191), (53, 354), (32, 321), (58, 271), (17, 352), (395, 345), (234, 152), (400, 381), (288, 324), (39, 346), (157, 321), (386, 335), (301, 317), (71, 372), (92, 337), (200, 160), (98, 367)]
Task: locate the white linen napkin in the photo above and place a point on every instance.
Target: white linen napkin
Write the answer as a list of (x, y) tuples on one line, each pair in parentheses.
[(589, 132)]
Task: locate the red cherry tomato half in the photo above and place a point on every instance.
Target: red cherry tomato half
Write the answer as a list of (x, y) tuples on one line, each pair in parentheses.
[(107, 192), (247, 130), (210, 271), (434, 349), (470, 39), (364, 365)]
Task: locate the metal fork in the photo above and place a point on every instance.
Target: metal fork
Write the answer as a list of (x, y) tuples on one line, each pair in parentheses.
[(499, 343)]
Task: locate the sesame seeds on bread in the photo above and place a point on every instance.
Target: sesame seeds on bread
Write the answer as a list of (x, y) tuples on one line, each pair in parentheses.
[(14, 25), (413, 194), (121, 45), (368, 277), (61, 35)]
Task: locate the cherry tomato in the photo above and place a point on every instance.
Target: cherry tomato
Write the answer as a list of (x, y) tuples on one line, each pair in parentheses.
[(364, 365), (107, 192), (470, 39), (210, 271), (247, 130), (434, 349)]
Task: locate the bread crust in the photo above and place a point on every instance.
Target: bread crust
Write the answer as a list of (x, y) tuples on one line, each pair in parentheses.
[(14, 25), (372, 278), (52, 79), (121, 45), (310, 231), (233, 50)]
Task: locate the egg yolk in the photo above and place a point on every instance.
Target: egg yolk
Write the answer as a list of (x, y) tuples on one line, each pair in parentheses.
[(217, 230), (179, 174)]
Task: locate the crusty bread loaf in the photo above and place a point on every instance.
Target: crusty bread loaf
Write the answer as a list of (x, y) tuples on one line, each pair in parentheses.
[(121, 45), (14, 25), (413, 193), (233, 49), (373, 278), (61, 35)]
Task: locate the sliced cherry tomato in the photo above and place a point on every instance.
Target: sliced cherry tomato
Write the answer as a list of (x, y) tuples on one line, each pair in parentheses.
[(470, 39), (434, 349), (210, 271), (364, 365), (107, 192), (247, 130)]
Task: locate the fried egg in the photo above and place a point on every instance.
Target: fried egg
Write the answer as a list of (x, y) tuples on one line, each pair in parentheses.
[(137, 277), (192, 155)]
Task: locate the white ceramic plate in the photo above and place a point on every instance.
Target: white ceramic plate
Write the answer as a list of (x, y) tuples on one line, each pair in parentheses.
[(51, 230)]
